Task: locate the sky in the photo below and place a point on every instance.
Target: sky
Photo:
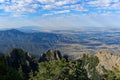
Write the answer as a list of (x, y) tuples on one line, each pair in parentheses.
[(59, 13)]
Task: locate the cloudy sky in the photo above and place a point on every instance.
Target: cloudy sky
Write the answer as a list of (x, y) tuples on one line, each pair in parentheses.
[(59, 13)]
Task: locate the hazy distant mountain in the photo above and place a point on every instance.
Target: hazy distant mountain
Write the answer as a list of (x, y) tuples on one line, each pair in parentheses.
[(67, 41), (29, 29), (28, 41), (33, 42)]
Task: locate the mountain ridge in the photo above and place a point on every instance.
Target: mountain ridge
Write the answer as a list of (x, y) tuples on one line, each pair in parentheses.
[(67, 42)]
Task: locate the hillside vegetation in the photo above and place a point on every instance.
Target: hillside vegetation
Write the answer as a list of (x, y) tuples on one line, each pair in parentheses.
[(52, 65)]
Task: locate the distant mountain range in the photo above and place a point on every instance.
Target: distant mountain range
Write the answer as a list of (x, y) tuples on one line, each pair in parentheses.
[(28, 41), (28, 29), (68, 41)]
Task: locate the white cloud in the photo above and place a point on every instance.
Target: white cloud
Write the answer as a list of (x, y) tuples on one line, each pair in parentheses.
[(20, 7), (46, 1), (33, 6), (77, 7), (1, 1), (57, 12), (61, 12), (63, 2), (48, 6), (102, 3), (30, 6)]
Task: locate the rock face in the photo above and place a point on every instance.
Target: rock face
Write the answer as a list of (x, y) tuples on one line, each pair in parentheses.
[(107, 61), (22, 61), (50, 55)]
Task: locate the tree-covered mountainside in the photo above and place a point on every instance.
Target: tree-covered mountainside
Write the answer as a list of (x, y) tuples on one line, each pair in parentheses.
[(7, 72), (53, 65), (22, 61)]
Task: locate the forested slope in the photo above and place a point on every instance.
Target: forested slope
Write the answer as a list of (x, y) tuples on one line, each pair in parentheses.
[(53, 65)]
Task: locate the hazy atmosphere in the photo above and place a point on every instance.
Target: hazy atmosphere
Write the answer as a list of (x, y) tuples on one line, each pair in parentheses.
[(59, 39)]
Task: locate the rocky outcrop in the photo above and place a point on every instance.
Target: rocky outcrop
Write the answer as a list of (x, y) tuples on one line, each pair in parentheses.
[(50, 55), (107, 61)]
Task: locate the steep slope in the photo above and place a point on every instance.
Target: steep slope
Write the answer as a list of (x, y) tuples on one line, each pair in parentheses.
[(107, 61), (7, 72), (54, 66), (22, 61), (102, 65)]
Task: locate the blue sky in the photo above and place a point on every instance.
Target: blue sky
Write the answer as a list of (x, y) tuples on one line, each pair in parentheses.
[(59, 13)]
